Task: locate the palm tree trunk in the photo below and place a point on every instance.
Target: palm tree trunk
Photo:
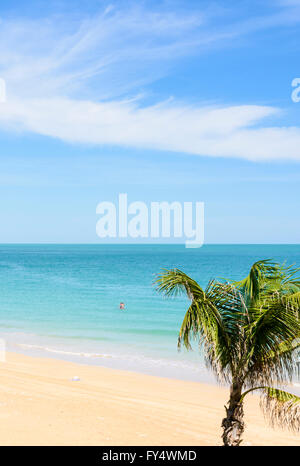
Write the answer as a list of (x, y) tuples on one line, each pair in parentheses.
[(233, 424)]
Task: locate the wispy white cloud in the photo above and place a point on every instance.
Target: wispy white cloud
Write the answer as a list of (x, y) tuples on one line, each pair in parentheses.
[(69, 80), (118, 48), (223, 132)]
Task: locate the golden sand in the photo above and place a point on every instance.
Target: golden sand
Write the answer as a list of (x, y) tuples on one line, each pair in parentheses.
[(41, 405)]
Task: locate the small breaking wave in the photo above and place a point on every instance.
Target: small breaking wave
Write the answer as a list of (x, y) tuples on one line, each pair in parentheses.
[(132, 358), (59, 351)]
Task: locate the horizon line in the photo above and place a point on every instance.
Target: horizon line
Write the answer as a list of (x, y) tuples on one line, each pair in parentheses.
[(144, 244)]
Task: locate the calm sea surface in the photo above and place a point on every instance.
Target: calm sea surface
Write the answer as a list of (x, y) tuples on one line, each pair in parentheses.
[(63, 301)]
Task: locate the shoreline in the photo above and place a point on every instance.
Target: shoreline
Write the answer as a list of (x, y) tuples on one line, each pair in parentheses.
[(41, 405), (183, 365), (184, 372)]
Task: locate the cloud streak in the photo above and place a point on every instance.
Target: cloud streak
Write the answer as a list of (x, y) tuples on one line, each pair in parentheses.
[(211, 131), (72, 80), (109, 54)]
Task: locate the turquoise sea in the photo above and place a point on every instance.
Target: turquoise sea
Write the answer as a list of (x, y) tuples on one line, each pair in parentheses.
[(63, 301)]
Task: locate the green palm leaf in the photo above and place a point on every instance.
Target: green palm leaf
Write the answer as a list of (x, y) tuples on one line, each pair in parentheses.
[(259, 274), (250, 333), (203, 320), (282, 408)]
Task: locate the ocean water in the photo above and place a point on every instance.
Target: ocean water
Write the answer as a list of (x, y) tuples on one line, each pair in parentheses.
[(63, 301)]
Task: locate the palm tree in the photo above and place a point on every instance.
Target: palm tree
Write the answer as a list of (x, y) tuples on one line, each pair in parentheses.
[(250, 334)]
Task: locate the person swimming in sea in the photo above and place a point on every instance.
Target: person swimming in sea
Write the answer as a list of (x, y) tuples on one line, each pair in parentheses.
[(122, 305)]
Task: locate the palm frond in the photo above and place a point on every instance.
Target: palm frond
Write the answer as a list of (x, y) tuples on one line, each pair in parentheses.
[(203, 320), (288, 346), (281, 408), (260, 272), (173, 282), (292, 300), (272, 339)]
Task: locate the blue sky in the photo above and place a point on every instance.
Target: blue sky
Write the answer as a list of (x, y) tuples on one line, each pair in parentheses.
[(163, 100)]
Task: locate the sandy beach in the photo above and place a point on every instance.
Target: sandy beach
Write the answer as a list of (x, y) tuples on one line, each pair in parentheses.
[(41, 405)]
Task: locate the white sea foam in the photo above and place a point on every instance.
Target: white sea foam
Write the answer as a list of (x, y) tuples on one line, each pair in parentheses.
[(59, 351), (132, 357), (123, 360)]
